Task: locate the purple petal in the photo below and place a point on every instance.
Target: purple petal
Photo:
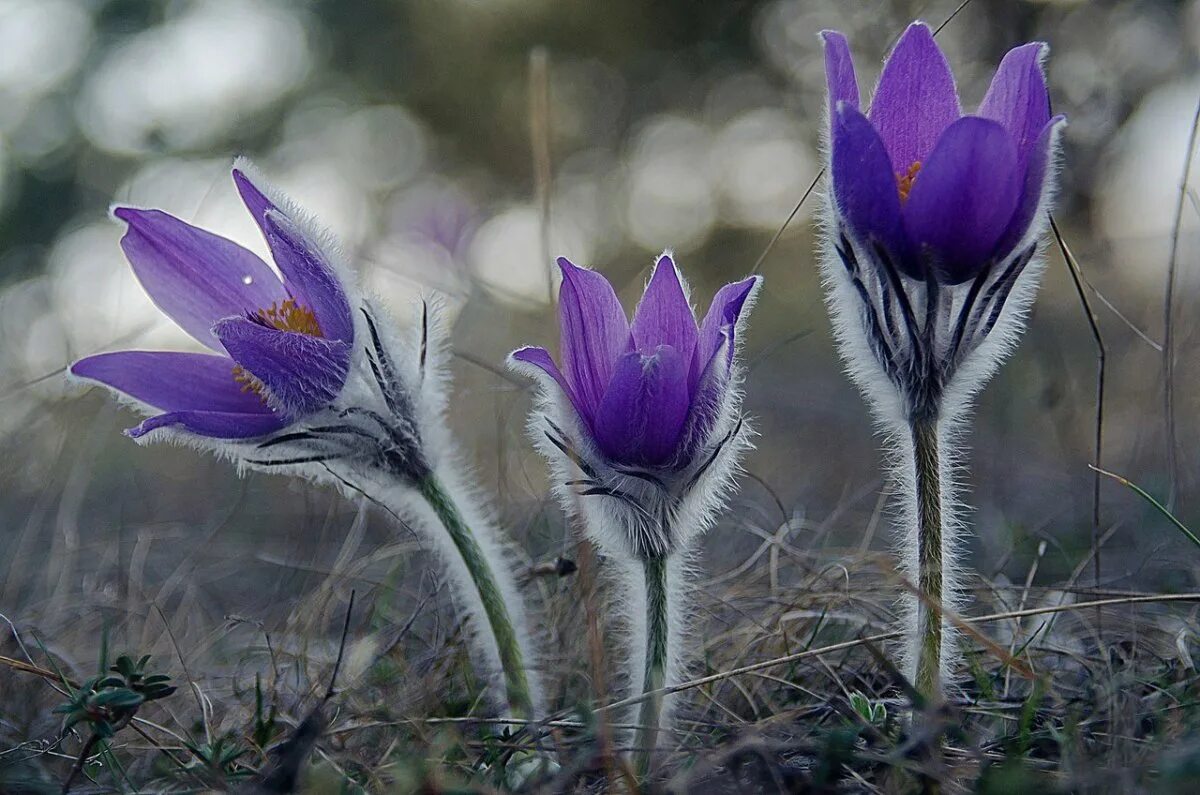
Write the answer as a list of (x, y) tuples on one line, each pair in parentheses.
[(541, 358), (302, 373), (641, 418), (664, 316), (1033, 186), (172, 381), (217, 424), (916, 99), (709, 393), (964, 197), (194, 276), (839, 71), (308, 277), (1017, 98), (721, 323), (594, 333), (864, 186)]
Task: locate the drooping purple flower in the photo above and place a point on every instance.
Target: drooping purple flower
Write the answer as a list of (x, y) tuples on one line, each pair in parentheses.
[(647, 393), (937, 191), (282, 346)]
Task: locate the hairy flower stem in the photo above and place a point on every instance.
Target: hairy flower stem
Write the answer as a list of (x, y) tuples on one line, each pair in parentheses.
[(655, 569), (508, 647), (929, 558)]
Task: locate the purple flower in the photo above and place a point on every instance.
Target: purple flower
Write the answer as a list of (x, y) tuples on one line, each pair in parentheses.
[(282, 346), (647, 393), (934, 190)]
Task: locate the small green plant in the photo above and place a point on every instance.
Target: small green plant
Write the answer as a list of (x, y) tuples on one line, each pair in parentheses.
[(873, 713), (221, 759), (107, 702)]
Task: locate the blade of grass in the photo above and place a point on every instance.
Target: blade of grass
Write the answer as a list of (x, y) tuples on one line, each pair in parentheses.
[(1145, 495)]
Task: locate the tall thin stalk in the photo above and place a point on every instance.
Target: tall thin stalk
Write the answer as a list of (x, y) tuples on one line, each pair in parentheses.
[(927, 469), (508, 646), (655, 570)]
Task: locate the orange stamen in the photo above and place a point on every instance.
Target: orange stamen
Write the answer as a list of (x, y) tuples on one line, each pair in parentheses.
[(904, 182), (285, 316), (290, 316)]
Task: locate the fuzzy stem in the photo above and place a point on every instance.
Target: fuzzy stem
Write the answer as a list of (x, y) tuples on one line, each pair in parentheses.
[(508, 647), (929, 557), (655, 569)]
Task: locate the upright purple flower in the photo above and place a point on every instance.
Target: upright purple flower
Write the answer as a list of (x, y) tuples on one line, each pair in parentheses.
[(936, 216), (282, 347), (642, 426), (933, 225), (646, 394)]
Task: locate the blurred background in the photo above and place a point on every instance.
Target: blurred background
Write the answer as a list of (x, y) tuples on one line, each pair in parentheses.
[(407, 127)]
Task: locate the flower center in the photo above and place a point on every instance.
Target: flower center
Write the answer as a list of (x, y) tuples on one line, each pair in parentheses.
[(285, 316), (904, 182), (290, 316)]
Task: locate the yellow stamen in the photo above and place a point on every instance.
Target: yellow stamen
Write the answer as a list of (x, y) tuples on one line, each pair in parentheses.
[(285, 316), (904, 182), (249, 383), (290, 316)]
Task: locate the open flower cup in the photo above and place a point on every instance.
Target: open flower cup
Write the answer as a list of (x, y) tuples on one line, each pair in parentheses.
[(282, 344), (303, 379), (933, 225), (643, 429)]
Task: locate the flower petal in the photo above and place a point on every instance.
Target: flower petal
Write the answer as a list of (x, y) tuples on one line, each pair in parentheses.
[(721, 323), (192, 275), (217, 424), (864, 187), (172, 381), (309, 278), (664, 316), (1033, 188), (541, 359), (915, 100), (1017, 98), (641, 418), (302, 373), (709, 392), (594, 333), (963, 199), (839, 71)]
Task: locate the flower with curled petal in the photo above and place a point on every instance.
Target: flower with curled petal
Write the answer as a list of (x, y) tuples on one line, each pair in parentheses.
[(644, 399), (642, 426)]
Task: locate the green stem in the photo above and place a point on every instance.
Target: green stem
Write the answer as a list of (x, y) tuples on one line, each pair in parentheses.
[(655, 570), (508, 646), (929, 558)]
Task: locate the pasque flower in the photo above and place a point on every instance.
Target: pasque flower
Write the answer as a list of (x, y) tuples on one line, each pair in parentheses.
[(304, 379), (642, 426), (936, 215), (282, 346), (647, 393), (934, 222)]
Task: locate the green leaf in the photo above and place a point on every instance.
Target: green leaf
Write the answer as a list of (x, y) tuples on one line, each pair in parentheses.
[(121, 698)]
